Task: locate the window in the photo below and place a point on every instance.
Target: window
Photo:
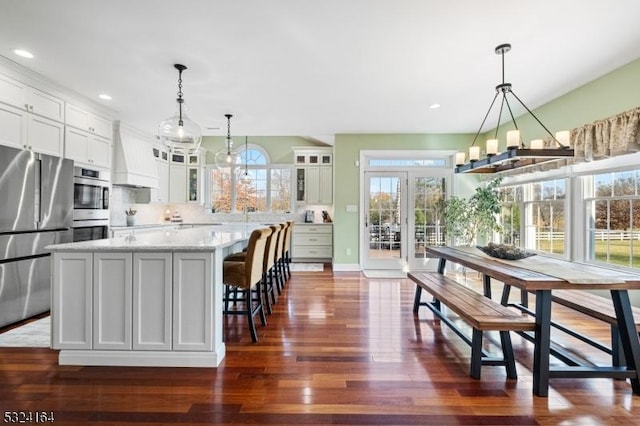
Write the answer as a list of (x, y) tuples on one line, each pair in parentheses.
[(614, 218), (267, 189), (511, 198), (545, 216), (400, 162)]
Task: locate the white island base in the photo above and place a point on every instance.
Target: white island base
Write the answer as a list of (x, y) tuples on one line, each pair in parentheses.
[(153, 301)]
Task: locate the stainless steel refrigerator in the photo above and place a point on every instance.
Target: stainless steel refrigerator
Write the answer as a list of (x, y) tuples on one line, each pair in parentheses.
[(36, 210)]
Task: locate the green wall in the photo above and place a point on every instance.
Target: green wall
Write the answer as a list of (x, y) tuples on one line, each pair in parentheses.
[(347, 178)]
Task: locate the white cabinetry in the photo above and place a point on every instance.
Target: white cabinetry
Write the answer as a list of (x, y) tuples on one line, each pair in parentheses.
[(161, 193), (88, 137), (184, 180), (72, 301), (133, 301), (30, 99), (177, 183), (192, 296), (312, 242), (30, 118), (112, 308), (152, 301), (314, 177), (89, 122), (87, 148)]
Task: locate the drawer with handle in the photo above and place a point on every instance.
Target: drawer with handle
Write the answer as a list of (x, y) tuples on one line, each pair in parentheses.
[(313, 252), (312, 240)]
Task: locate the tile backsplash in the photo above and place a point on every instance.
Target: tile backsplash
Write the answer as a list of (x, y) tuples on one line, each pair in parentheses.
[(123, 198)]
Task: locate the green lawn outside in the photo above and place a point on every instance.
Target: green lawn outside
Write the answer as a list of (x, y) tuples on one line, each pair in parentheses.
[(619, 251)]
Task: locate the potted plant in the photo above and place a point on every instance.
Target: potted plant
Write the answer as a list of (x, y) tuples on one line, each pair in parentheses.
[(473, 218)]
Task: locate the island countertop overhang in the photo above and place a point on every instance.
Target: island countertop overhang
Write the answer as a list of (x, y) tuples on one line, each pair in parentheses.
[(203, 238)]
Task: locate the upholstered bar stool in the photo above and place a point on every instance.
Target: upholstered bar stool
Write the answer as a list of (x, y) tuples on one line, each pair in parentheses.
[(246, 277), (287, 249), (279, 251), (267, 266)]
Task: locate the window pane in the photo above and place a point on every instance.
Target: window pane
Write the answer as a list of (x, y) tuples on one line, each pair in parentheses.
[(602, 185), (252, 196), (624, 183), (221, 190), (281, 190)]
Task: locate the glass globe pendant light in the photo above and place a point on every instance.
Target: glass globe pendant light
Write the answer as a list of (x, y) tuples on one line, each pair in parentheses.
[(178, 132), (245, 178), (226, 157)]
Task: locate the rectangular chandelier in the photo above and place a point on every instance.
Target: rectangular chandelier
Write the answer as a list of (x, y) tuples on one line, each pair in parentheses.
[(517, 155)]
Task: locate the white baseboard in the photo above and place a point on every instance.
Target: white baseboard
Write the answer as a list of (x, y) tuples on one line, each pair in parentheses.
[(141, 358), (346, 267)]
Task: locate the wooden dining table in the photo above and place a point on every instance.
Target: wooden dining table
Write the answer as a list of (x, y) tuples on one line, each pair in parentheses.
[(516, 274)]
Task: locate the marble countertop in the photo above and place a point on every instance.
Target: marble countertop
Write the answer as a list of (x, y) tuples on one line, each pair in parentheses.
[(167, 225), (202, 238)]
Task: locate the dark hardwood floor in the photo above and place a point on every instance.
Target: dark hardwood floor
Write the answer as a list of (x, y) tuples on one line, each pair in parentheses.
[(338, 349)]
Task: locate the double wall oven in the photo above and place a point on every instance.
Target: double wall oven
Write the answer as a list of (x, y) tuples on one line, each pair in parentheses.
[(90, 204)]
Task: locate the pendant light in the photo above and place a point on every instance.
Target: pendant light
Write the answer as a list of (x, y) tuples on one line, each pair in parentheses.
[(178, 132), (517, 155), (226, 157), (245, 179)]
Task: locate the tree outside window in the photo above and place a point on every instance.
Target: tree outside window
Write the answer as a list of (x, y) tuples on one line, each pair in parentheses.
[(268, 189)]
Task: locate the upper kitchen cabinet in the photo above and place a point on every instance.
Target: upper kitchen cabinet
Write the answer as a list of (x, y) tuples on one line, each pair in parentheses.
[(30, 118), (23, 130), (161, 193), (185, 176), (88, 121), (88, 137), (30, 99), (87, 148), (179, 177), (313, 176)]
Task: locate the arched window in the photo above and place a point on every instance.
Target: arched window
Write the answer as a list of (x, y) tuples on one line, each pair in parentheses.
[(265, 188)]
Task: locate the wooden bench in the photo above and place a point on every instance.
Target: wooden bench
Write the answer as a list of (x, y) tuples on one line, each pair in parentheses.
[(480, 312), (600, 308), (592, 305)]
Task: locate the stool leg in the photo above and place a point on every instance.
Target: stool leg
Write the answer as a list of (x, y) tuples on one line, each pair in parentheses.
[(259, 306), (252, 326), (287, 261), (265, 299)]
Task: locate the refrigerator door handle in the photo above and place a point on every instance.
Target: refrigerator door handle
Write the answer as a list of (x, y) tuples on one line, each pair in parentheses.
[(38, 195)]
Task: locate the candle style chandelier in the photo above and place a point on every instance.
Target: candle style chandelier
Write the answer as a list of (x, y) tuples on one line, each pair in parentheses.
[(517, 154)]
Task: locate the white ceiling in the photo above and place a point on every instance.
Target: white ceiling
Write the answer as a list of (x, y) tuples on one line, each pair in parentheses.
[(319, 67)]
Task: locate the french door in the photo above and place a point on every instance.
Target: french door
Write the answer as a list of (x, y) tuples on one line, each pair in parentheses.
[(385, 220), (402, 215)]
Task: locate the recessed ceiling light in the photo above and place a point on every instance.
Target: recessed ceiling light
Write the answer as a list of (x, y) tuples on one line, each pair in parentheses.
[(23, 53), (434, 106), (105, 97)]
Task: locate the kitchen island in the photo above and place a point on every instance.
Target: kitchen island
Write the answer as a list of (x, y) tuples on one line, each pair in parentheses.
[(143, 300)]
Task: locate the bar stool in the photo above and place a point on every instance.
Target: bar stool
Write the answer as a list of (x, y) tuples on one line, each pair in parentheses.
[(287, 249), (267, 266), (246, 277), (279, 252)]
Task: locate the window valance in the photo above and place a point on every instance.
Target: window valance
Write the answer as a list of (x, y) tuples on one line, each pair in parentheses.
[(609, 137)]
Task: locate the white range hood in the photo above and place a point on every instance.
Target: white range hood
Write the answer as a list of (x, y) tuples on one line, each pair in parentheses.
[(134, 161)]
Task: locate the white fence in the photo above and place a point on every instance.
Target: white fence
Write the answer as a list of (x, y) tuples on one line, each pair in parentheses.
[(599, 235)]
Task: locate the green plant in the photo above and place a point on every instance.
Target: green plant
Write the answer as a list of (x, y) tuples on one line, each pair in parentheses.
[(467, 219)]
